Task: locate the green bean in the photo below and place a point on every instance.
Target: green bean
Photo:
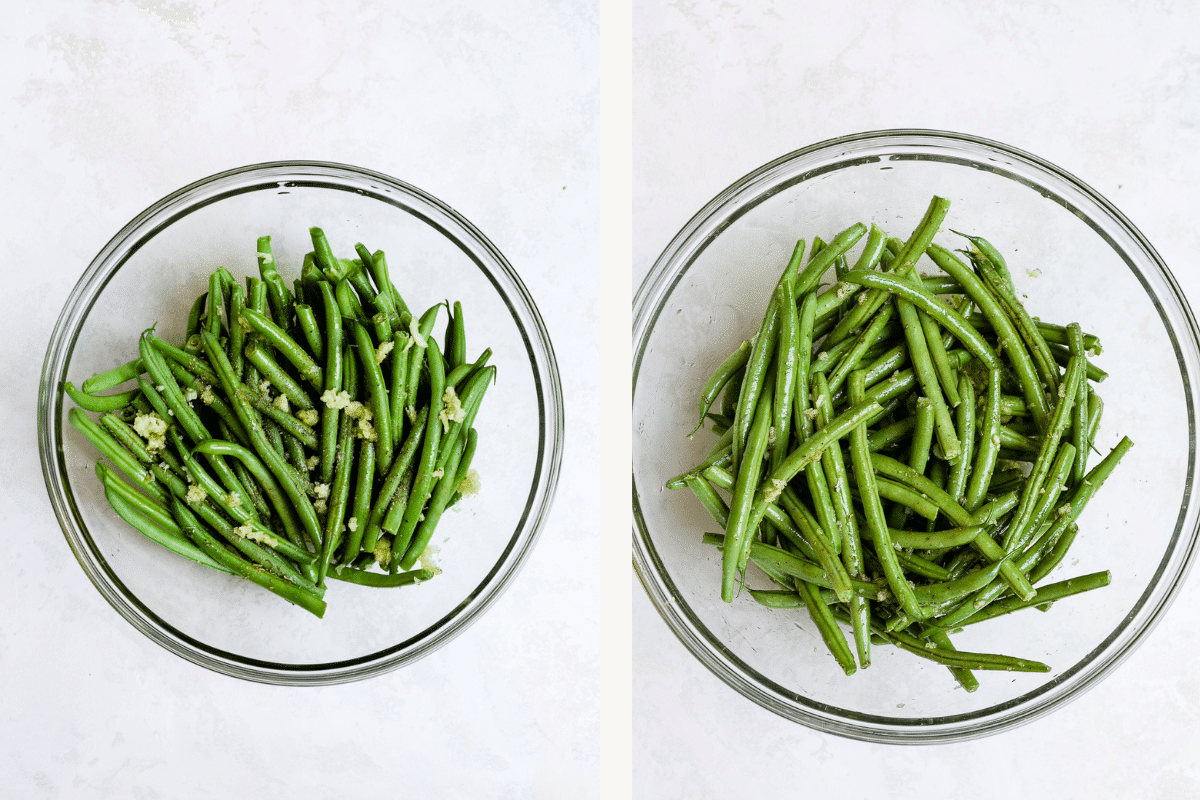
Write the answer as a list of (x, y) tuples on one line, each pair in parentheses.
[(864, 475), (1007, 529), (195, 365), (738, 533), (833, 466), (284, 344), (443, 490), (126, 436), (423, 479), (387, 495), (96, 402), (827, 626), (965, 677), (1069, 512), (709, 498), (289, 424), (216, 294), (103, 441), (364, 474), (965, 660), (911, 499), (229, 501), (994, 271), (947, 376), (960, 470), (923, 567), (822, 259), (155, 531), (381, 327), (955, 512), (306, 321), (908, 255), (796, 525), (270, 458), (810, 450), (814, 543), (922, 437), (456, 337), (265, 363), (1020, 530), (364, 578), (793, 565), (869, 336), (453, 424), (399, 382), (377, 391), (888, 435), (456, 376), (195, 315), (785, 372), (152, 509), (1053, 553), (112, 378), (1046, 594), (333, 376), (951, 590), (772, 598), (1008, 338), (419, 331), (278, 296), (938, 540), (1062, 355), (339, 494), (755, 374), (938, 310), (1053, 334), (203, 540), (1079, 411)]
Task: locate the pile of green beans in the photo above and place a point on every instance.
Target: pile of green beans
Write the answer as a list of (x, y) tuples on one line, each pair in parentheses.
[(900, 452), (299, 432)]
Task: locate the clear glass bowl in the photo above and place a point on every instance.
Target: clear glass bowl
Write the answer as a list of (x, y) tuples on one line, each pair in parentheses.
[(1075, 257), (150, 273)]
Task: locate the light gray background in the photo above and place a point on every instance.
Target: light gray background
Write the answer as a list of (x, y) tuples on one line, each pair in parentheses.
[(110, 105), (1108, 91)]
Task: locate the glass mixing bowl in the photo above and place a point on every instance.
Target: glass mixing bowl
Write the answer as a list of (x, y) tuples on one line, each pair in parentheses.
[(1076, 258), (150, 273)]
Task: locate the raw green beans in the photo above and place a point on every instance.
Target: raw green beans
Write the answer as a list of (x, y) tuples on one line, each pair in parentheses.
[(292, 428), (928, 526)]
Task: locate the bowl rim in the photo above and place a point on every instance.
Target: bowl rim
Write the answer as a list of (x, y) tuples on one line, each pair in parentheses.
[(326, 175), (649, 301)]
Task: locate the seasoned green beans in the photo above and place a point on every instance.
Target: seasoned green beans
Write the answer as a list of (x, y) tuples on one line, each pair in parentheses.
[(294, 432), (929, 526)]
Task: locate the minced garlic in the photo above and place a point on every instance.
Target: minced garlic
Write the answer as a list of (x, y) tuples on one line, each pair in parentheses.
[(452, 410), (195, 494)]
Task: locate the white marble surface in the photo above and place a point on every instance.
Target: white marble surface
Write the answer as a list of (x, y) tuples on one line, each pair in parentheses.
[(1110, 92), (110, 105)]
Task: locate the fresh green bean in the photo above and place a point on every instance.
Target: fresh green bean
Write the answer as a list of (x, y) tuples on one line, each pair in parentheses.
[(404, 528), (203, 540), (754, 376), (110, 379), (864, 475), (283, 343), (98, 402), (364, 474), (278, 296), (738, 532), (265, 363), (903, 262), (830, 632)]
